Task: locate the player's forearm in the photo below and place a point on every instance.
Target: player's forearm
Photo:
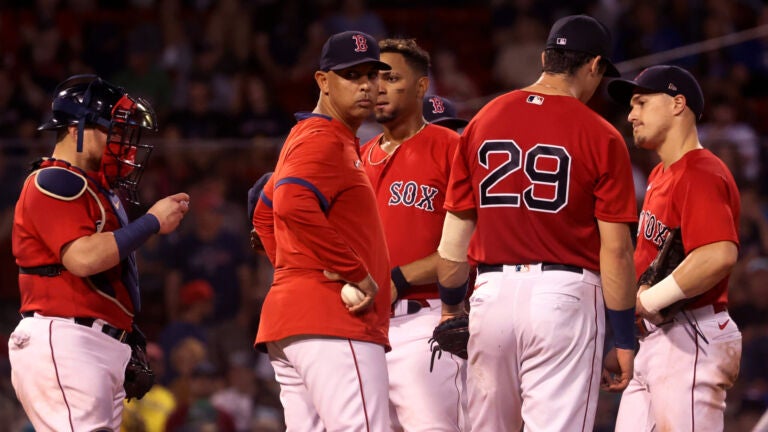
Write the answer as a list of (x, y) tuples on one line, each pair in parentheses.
[(91, 254), (617, 269), (422, 271), (452, 273), (705, 266)]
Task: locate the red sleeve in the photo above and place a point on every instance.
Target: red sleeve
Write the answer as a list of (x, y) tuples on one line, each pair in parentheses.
[(706, 210), (263, 221), (615, 190), (459, 195), (71, 221), (306, 187)]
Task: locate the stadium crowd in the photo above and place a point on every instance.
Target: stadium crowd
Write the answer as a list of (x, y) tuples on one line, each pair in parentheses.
[(225, 77)]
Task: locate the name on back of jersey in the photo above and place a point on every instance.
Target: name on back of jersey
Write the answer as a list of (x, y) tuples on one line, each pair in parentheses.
[(412, 194)]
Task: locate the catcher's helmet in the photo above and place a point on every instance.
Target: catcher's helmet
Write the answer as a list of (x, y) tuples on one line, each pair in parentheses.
[(89, 101)]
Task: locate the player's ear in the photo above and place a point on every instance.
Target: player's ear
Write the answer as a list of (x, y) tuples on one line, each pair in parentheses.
[(679, 104), (595, 66), (423, 86), (321, 78)]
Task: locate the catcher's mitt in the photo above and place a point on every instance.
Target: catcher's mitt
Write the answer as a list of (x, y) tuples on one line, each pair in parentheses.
[(452, 336), (139, 377), (670, 255)]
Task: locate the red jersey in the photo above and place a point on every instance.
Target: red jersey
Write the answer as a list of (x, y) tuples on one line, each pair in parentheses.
[(540, 169), (318, 212), (45, 222), (697, 194), (410, 189)]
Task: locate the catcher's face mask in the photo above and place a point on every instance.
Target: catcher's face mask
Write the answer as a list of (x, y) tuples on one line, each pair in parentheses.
[(87, 100), (124, 156)]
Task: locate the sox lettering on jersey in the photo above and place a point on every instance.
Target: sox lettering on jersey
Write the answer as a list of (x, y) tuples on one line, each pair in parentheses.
[(361, 44), (406, 194), (652, 228)]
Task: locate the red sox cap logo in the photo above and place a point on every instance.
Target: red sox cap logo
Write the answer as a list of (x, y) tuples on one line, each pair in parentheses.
[(437, 105), (361, 44)]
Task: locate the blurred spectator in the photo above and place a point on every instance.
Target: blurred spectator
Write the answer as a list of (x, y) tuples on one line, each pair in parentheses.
[(645, 31), (198, 119), (208, 250), (518, 57), (724, 125), (184, 358), (14, 107), (200, 414), (753, 230), (452, 82), (355, 15), (229, 26), (150, 413), (750, 311), (287, 43), (258, 114), (196, 299), (238, 397), (142, 73)]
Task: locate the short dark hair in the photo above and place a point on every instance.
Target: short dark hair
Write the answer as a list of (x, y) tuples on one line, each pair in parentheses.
[(567, 62), (416, 57)]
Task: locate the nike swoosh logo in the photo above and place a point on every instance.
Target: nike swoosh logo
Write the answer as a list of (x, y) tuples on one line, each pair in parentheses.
[(480, 284), (722, 326)]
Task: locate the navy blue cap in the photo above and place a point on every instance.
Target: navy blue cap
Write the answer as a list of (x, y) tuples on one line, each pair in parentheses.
[(672, 80), (441, 111), (348, 49), (584, 34)]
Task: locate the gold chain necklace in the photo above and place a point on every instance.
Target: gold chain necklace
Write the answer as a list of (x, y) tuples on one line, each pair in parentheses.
[(383, 143)]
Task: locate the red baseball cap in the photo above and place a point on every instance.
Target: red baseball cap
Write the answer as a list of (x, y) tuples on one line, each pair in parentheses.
[(195, 291)]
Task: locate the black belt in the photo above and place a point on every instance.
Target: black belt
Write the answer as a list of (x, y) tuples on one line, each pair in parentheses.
[(113, 332), (51, 270), (486, 268)]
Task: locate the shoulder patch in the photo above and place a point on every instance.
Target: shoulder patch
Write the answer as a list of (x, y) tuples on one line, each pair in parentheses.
[(60, 183)]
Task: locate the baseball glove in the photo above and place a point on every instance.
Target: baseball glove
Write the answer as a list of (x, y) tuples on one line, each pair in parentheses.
[(451, 336), (670, 255), (139, 377)]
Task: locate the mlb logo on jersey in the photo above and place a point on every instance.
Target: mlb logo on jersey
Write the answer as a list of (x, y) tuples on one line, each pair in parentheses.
[(535, 99)]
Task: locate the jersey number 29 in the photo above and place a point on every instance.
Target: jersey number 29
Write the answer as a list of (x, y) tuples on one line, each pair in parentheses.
[(557, 178)]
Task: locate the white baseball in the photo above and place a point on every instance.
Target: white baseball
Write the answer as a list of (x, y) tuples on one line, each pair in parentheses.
[(351, 295)]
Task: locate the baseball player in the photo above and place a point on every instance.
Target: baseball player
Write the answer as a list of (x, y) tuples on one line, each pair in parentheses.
[(543, 188), (441, 111), (74, 247), (318, 222), (683, 367), (408, 165)]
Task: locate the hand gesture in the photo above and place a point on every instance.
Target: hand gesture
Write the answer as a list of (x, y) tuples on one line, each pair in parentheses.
[(169, 211), (618, 367)]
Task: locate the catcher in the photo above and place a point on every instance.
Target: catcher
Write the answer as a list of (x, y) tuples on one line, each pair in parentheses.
[(690, 354), (74, 246)]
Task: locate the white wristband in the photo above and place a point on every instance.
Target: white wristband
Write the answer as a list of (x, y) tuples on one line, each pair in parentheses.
[(454, 242), (661, 295)]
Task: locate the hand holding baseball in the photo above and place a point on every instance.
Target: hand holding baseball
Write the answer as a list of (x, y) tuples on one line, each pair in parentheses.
[(351, 296), (367, 287)]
